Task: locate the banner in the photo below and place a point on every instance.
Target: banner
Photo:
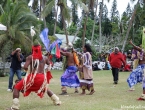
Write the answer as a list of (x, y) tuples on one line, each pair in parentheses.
[(44, 38)]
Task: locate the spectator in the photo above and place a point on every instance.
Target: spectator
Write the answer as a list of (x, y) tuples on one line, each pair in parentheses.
[(15, 67), (95, 67), (116, 59), (107, 65), (100, 65)]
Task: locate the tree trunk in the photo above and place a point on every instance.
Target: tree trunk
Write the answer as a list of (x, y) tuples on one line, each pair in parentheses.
[(40, 8), (129, 27), (44, 20), (64, 24), (56, 11), (94, 22), (100, 28), (84, 32), (78, 28)]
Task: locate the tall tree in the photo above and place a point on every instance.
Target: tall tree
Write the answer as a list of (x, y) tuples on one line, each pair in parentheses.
[(128, 10), (130, 25), (65, 15), (75, 19), (100, 27), (104, 13), (18, 19), (114, 11), (95, 17), (80, 3), (90, 4)]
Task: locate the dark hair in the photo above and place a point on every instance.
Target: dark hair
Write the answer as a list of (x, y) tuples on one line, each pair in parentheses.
[(88, 48)]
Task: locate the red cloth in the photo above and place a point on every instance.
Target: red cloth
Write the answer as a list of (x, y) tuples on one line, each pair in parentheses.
[(36, 52), (38, 81), (127, 67), (116, 60), (50, 58), (49, 76), (57, 51), (124, 56)]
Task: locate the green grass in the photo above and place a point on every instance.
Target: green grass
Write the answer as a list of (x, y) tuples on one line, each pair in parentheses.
[(106, 96)]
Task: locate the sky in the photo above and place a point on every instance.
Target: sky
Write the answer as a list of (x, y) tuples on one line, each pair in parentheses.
[(121, 5)]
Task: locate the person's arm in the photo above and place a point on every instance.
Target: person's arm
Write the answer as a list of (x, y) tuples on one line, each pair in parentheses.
[(27, 63), (64, 53), (20, 57), (135, 47), (13, 52), (123, 61), (47, 61)]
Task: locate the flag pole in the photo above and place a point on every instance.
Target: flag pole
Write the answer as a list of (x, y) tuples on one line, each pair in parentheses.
[(32, 32)]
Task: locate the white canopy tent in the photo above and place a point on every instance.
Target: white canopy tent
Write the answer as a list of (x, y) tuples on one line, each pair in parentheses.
[(2, 27)]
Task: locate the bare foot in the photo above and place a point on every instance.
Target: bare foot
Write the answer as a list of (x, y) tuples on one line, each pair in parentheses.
[(91, 93), (58, 104), (63, 93), (11, 108), (76, 91), (140, 99)]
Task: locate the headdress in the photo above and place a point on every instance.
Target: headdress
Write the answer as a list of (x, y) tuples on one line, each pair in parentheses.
[(36, 52)]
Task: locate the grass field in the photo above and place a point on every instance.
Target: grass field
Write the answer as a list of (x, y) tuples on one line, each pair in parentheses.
[(106, 96)]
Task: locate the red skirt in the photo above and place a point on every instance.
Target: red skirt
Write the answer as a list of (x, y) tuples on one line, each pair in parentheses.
[(35, 86)]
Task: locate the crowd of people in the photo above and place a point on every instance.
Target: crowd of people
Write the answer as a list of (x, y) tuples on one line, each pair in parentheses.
[(38, 68)]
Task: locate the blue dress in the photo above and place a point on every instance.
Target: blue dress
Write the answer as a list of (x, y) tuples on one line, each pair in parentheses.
[(70, 78)]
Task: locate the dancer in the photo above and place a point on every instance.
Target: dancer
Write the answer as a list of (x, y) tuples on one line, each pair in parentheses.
[(69, 77), (136, 76), (86, 74), (36, 81), (135, 57)]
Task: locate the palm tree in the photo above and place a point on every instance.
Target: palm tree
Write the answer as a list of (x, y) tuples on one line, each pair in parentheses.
[(79, 3), (56, 12), (42, 6), (18, 19), (100, 27), (65, 15), (64, 10), (94, 22), (130, 24), (90, 4)]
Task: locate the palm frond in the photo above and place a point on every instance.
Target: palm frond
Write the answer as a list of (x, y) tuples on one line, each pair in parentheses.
[(81, 4), (66, 14), (22, 39), (3, 38), (48, 8)]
